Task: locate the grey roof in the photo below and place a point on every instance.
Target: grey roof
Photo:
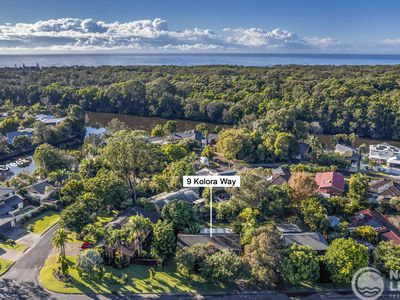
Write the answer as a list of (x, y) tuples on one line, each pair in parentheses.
[(345, 148), (188, 195), (13, 200), (13, 134), (48, 119), (4, 191), (192, 134), (123, 216), (220, 241), (312, 239), (288, 228), (4, 209), (39, 187)]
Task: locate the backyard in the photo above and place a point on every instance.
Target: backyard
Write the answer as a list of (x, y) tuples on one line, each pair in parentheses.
[(165, 280)]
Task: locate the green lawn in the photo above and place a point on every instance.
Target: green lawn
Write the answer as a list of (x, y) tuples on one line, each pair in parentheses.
[(15, 247), (4, 265), (43, 222), (166, 280)]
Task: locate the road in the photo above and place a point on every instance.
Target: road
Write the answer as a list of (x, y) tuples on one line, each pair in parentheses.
[(21, 282)]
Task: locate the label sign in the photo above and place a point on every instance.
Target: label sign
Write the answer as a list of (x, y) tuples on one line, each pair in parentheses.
[(211, 181)]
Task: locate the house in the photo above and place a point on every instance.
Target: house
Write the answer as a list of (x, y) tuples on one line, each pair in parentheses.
[(386, 230), (13, 134), (329, 183), (383, 189), (49, 119), (344, 151), (229, 241), (10, 204), (123, 217), (158, 140), (302, 151), (215, 230), (194, 135), (41, 190), (212, 138), (189, 195), (288, 228), (394, 163), (382, 152), (279, 176), (314, 240), (129, 249)]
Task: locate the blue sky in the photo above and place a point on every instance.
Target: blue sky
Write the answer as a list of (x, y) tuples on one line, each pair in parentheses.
[(194, 26)]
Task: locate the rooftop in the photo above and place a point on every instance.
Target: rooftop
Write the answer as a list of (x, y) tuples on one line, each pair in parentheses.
[(312, 239), (330, 180), (220, 241)]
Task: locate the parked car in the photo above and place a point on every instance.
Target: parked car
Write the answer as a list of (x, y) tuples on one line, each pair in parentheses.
[(86, 245)]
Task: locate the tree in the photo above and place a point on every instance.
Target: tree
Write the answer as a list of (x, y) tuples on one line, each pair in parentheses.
[(203, 128), (131, 157), (358, 190), (8, 125), (300, 264), (76, 216), (170, 127), (60, 238), (175, 152), (47, 159), (263, 255), (22, 142), (181, 215), (88, 261), (235, 144), (343, 258), (366, 233), (303, 186), (136, 230), (285, 146), (71, 191), (248, 223), (108, 189), (116, 125), (158, 130), (208, 152), (314, 214), (164, 242), (387, 257), (89, 167), (222, 266), (190, 259), (173, 174)]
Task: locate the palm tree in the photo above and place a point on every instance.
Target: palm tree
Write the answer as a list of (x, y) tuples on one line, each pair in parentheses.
[(137, 230), (60, 238)]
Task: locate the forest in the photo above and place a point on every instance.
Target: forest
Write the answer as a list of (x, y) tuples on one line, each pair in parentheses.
[(364, 100)]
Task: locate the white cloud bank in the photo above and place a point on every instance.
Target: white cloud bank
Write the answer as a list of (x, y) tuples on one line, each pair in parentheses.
[(147, 35)]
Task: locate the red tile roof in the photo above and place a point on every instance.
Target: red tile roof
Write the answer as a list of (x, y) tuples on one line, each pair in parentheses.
[(333, 180), (386, 230)]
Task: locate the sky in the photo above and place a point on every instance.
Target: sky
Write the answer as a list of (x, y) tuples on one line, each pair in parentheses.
[(258, 26)]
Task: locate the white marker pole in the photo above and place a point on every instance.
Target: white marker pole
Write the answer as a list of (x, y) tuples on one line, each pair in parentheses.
[(211, 211)]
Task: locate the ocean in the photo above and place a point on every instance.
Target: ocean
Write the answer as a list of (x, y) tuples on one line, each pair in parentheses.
[(244, 59)]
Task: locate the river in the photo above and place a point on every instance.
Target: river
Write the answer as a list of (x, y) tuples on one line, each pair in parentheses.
[(147, 123), (97, 122), (96, 119)]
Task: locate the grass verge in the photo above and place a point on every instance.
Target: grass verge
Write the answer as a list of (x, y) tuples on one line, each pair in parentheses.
[(42, 222), (4, 265)]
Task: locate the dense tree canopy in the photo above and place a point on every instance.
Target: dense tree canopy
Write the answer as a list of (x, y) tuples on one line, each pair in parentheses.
[(345, 99)]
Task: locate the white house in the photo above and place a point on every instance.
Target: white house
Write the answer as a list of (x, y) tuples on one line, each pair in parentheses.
[(382, 152)]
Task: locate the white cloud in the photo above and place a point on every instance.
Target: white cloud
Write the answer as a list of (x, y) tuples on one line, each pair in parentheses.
[(68, 34), (392, 42)]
